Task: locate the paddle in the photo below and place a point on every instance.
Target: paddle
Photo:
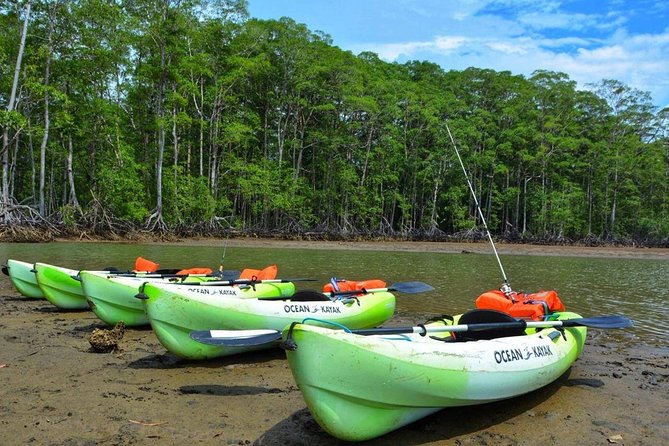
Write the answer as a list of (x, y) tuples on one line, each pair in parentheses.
[(402, 287), (249, 338), (348, 296), (244, 282), (247, 282), (224, 275)]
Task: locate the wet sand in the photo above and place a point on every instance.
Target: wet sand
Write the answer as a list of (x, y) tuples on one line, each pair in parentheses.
[(56, 391)]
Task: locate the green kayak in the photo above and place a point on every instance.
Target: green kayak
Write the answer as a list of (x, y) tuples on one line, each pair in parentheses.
[(23, 278), (176, 310), (112, 296), (60, 287), (360, 387)]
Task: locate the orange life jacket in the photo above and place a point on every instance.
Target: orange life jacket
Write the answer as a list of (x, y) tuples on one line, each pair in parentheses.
[(183, 272), (352, 285), (260, 274), (526, 306), (145, 266)]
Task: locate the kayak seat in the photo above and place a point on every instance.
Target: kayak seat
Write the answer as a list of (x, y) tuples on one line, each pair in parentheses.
[(308, 296), (300, 296), (485, 317), (165, 271)]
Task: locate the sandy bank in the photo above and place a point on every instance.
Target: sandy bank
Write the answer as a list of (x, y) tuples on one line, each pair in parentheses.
[(56, 391)]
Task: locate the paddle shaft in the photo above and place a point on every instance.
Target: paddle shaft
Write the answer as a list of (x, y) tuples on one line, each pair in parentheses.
[(595, 322), (252, 338), (250, 281), (402, 287)]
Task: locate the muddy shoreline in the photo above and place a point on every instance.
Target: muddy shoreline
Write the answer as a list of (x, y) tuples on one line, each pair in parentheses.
[(56, 391)]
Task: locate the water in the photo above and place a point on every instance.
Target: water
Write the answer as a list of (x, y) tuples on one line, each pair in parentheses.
[(637, 288)]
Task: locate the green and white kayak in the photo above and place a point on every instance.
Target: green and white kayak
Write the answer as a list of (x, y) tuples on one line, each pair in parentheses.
[(176, 310), (23, 278), (112, 297), (60, 287), (360, 387)]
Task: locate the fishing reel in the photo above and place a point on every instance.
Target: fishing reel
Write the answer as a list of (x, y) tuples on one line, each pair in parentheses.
[(508, 292)]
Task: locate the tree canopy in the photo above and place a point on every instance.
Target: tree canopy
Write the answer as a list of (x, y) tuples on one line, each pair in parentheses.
[(180, 114)]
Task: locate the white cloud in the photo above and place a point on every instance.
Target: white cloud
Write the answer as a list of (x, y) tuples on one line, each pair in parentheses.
[(640, 61), (565, 42), (448, 43), (522, 36), (406, 50), (506, 47), (393, 51), (538, 20)]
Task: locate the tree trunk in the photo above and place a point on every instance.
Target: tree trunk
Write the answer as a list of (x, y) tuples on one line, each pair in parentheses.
[(45, 137), (157, 216), (525, 181), (72, 197), (175, 144), (10, 108), (615, 194)]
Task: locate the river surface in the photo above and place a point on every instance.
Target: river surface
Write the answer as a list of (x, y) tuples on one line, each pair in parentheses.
[(637, 288)]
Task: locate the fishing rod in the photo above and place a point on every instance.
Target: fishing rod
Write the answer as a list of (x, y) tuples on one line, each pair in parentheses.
[(506, 288), (225, 249)]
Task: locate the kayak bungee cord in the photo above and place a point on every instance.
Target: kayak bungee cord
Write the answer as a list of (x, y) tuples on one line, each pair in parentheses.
[(506, 287)]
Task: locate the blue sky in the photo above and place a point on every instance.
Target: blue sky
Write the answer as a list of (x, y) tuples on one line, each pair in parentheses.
[(627, 40)]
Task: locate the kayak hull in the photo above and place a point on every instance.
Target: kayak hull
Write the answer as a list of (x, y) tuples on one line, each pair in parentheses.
[(361, 387), (23, 279), (112, 298), (176, 310), (59, 286)]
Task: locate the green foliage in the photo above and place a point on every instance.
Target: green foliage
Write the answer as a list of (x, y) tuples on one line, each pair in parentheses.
[(119, 186), (68, 215), (268, 126), (12, 119), (187, 201)]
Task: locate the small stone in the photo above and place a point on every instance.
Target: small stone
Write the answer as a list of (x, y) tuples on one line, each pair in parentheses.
[(615, 438)]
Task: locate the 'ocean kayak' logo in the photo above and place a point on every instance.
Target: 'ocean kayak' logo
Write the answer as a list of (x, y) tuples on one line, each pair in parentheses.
[(517, 354), (313, 309), (214, 291)]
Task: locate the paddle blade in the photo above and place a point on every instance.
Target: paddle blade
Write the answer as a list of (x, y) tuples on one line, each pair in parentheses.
[(410, 287), (236, 338), (613, 321)]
